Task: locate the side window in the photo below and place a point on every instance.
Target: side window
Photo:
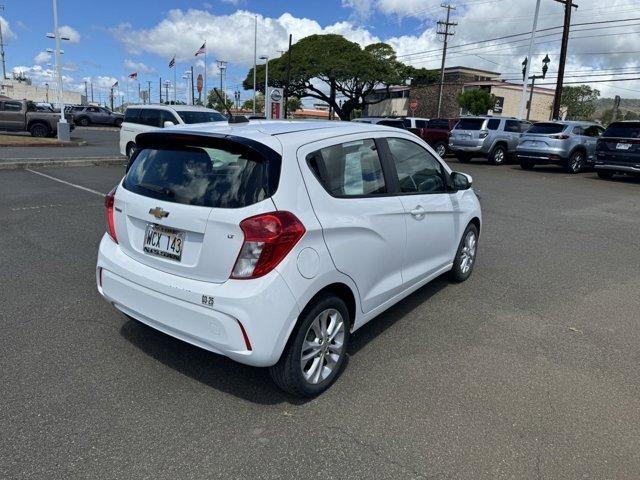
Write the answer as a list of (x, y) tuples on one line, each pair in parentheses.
[(512, 126), (349, 169), (593, 131), (12, 106), (93, 110), (578, 131), (167, 116), (493, 124), (131, 115), (150, 116), (418, 171), (421, 124), (524, 126)]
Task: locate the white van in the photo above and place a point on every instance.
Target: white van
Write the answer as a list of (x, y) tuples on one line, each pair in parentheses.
[(143, 118)]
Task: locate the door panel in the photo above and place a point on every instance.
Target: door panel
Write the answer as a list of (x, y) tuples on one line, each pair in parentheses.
[(364, 229)]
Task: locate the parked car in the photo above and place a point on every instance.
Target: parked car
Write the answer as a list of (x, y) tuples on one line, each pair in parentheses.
[(618, 150), (495, 138), (437, 133), (90, 115), (272, 242), (143, 118), (569, 144), (385, 121), (414, 122), (23, 116)]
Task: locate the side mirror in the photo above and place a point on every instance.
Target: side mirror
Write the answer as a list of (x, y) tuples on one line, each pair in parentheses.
[(168, 123), (461, 181)]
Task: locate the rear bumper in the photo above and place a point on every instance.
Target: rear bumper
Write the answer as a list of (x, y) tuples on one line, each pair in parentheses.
[(542, 157), (466, 148), (618, 167), (265, 308)]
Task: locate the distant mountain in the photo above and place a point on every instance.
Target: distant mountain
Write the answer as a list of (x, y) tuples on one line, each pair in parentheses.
[(632, 104)]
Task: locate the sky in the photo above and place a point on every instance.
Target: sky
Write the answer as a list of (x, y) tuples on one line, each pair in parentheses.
[(110, 40)]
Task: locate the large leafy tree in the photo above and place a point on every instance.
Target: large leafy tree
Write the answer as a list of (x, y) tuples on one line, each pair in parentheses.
[(579, 102), (326, 67), (476, 101)]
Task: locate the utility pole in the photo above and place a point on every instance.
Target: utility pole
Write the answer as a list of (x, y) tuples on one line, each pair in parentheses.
[(4, 68), (568, 5), (86, 92), (160, 88), (443, 29), (528, 64), (166, 91), (91, 83), (148, 92), (255, 61), (193, 94)]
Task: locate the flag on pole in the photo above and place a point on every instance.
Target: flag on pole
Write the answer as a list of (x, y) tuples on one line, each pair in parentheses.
[(202, 50), (115, 85), (172, 63), (133, 75)]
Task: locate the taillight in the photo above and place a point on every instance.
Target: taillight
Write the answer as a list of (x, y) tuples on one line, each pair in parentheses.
[(483, 134), (559, 137), (268, 238), (109, 201)]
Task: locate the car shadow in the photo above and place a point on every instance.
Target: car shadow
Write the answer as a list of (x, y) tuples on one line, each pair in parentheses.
[(628, 179), (250, 383)]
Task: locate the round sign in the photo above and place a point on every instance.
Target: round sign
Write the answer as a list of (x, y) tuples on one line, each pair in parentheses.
[(199, 83), (276, 95)]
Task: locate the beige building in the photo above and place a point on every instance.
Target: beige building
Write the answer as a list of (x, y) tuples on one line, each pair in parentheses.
[(21, 89), (508, 97)]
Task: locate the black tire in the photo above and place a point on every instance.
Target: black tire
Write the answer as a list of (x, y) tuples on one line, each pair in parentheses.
[(575, 164), (131, 149), (118, 123), (463, 157), (605, 175), (498, 155), (39, 130), (527, 164), (288, 373), (441, 149), (84, 121), (457, 273)]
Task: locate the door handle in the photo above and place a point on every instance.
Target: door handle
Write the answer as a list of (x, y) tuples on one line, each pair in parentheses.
[(418, 212)]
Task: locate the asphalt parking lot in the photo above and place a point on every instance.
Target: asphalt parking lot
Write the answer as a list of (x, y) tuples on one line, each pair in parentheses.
[(528, 370)]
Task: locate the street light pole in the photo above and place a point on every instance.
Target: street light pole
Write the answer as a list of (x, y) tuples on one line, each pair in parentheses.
[(267, 110), (63, 126), (523, 98), (4, 70)]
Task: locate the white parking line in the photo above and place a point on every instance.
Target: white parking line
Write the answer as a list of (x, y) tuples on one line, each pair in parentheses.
[(95, 192)]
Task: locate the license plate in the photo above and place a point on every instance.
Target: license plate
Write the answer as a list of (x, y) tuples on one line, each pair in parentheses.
[(163, 242), (623, 146)]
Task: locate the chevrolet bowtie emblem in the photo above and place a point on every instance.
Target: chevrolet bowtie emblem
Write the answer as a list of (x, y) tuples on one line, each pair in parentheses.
[(158, 212)]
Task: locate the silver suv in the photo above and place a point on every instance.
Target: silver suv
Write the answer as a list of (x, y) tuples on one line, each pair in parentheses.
[(571, 145), (494, 138)]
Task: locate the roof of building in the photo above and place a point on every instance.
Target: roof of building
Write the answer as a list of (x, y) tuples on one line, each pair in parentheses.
[(509, 85), (471, 69)]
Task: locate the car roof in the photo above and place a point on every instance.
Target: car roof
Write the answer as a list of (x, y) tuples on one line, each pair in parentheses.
[(176, 108), (277, 133)]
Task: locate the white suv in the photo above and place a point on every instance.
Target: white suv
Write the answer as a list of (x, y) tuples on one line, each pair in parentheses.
[(144, 118), (272, 242)]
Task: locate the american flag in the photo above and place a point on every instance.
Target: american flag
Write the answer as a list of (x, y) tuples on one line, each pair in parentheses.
[(133, 75), (202, 49), (172, 63), (115, 85)]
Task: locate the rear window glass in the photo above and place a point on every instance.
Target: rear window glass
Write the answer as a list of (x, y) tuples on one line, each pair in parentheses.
[(546, 128), (207, 177), (470, 124), (439, 124), (201, 117), (623, 130)]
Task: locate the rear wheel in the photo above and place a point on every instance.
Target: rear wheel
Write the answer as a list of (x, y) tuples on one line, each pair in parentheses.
[(575, 163), (605, 175), (498, 155), (316, 352), (84, 121), (466, 255), (39, 130), (527, 164), (441, 149)]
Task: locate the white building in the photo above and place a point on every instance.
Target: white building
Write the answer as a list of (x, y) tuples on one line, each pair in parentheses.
[(22, 89)]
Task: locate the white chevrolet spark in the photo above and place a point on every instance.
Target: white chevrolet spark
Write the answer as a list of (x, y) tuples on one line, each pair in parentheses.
[(272, 242)]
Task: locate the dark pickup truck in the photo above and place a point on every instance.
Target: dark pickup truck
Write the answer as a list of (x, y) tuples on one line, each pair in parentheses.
[(23, 116), (437, 133)]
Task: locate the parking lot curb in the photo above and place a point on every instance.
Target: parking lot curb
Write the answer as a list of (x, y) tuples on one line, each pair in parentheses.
[(72, 143), (62, 162)]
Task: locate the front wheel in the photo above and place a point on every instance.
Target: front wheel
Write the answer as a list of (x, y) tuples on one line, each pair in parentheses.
[(605, 175), (466, 255), (316, 351), (441, 149)]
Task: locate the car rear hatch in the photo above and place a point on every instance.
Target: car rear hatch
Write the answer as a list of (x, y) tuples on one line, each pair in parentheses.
[(620, 144), (183, 199), (468, 132), (543, 136)]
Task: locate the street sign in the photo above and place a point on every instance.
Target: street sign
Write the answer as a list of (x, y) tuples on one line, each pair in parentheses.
[(199, 83), (499, 105), (413, 105), (276, 107)]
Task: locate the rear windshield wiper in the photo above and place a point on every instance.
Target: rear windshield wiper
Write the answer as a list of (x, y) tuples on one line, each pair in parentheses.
[(155, 188)]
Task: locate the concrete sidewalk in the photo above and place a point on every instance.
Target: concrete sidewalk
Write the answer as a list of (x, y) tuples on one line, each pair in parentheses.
[(21, 163)]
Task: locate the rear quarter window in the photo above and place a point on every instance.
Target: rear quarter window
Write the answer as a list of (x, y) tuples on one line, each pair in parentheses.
[(546, 128), (227, 175)]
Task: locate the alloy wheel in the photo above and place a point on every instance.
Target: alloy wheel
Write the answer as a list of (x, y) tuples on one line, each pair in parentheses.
[(576, 163), (468, 253), (441, 150), (498, 157), (323, 346)]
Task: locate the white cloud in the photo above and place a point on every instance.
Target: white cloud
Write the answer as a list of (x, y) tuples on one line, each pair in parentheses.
[(7, 33), (71, 33), (362, 8), (42, 58), (138, 67)]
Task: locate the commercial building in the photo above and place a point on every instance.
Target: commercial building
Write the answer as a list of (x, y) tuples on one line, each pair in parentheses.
[(21, 88), (399, 99)]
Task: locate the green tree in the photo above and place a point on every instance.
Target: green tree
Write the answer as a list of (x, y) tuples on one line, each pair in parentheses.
[(631, 115), (214, 102), (579, 102), (477, 101), (328, 66), (248, 104), (293, 104), (607, 116)]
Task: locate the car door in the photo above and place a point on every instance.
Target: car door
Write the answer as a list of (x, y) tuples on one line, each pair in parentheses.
[(512, 132), (430, 211), (13, 117), (363, 224), (592, 133)]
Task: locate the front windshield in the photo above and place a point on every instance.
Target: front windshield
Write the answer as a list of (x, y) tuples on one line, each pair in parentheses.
[(201, 117)]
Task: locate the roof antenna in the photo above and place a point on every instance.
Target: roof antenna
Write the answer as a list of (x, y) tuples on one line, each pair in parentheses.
[(232, 118)]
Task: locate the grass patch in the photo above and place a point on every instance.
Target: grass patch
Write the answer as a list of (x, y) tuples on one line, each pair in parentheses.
[(25, 140)]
